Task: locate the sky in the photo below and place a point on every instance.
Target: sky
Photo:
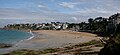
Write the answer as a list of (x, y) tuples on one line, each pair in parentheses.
[(30, 11)]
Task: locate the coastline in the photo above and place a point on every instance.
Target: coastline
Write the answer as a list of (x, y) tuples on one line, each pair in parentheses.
[(28, 31), (26, 39), (52, 39), (23, 31), (31, 37), (62, 37)]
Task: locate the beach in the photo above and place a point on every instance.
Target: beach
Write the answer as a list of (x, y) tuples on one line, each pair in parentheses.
[(52, 39)]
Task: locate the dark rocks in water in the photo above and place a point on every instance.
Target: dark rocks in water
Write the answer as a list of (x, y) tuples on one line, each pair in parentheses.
[(3, 45), (113, 46)]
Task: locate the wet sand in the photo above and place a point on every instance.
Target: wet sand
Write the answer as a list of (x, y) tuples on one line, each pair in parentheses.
[(52, 39)]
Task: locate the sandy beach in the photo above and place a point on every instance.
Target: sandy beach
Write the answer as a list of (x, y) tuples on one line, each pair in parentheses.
[(52, 39)]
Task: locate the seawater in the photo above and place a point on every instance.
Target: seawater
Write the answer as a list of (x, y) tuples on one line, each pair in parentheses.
[(13, 36)]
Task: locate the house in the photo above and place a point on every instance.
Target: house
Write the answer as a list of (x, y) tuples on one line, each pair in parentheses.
[(74, 26), (64, 26), (115, 19), (112, 23)]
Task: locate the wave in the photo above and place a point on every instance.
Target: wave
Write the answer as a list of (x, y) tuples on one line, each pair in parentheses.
[(27, 38), (31, 36)]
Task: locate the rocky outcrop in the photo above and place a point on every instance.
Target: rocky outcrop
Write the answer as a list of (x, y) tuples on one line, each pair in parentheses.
[(113, 45), (2, 45)]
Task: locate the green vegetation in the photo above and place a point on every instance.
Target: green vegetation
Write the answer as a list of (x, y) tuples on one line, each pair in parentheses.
[(32, 52), (93, 42), (49, 50), (113, 45), (23, 52), (53, 50), (97, 26), (38, 26)]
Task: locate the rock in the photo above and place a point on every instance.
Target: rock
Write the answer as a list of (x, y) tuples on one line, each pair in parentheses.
[(2, 45), (113, 45)]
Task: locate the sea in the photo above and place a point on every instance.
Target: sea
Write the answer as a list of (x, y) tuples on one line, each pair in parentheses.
[(14, 36)]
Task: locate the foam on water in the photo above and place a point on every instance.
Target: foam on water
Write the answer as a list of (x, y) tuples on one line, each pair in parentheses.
[(31, 36)]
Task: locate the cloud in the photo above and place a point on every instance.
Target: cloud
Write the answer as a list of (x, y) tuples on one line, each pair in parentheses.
[(68, 4), (75, 18), (47, 11), (94, 10), (93, 13), (40, 5), (36, 16)]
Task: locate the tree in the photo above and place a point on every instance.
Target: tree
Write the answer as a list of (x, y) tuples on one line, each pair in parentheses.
[(113, 45), (90, 20)]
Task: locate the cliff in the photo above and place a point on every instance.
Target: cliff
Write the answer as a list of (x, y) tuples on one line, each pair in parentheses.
[(113, 45)]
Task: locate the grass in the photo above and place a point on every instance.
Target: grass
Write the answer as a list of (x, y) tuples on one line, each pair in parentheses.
[(49, 50), (23, 52), (53, 50), (92, 42), (32, 52)]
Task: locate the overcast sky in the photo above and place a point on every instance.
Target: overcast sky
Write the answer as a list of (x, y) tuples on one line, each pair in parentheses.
[(29, 11)]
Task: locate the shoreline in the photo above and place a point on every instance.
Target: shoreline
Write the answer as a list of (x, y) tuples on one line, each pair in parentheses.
[(27, 39), (31, 36), (8, 45), (51, 39), (35, 39)]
